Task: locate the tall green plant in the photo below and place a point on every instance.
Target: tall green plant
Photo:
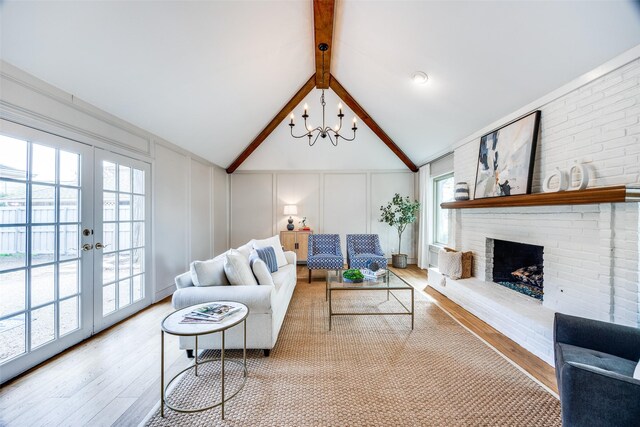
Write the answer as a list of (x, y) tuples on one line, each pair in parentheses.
[(399, 213)]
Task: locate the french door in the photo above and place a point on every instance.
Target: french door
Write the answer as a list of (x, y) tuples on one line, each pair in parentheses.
[(121, 229), (63, 222)]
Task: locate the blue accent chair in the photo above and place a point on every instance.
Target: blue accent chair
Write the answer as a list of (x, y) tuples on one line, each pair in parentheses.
[(594, 367), (363, 248), (324, 253)]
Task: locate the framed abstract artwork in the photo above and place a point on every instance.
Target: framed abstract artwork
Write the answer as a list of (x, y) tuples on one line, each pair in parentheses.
[(505, 160)]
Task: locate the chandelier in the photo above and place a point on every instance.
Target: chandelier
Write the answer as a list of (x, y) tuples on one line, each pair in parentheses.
[(323, 131)]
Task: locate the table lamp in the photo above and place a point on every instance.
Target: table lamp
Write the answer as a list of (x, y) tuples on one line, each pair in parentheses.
[(290, 210)]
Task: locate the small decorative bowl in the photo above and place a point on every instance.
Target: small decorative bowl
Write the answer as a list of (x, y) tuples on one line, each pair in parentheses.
[(344, 279)]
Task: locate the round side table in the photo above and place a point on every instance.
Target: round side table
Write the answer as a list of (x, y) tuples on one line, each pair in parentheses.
[(171, 325)]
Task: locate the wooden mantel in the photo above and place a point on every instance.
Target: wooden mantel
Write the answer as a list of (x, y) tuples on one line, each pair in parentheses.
[(614, 194)]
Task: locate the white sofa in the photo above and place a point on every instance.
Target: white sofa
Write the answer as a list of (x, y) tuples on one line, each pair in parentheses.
[(267, 307)]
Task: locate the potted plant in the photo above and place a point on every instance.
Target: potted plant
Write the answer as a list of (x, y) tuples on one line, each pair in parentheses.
[(399, 213)]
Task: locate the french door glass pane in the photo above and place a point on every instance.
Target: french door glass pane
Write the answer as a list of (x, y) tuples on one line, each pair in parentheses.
[(69, 168), (39, 228), (69, 202), (42, 325), (68, 315), (13, 336), (137, 287), (123, 209), (42, 285), (68, 276), (43, 165), (69, 238), (13, 247), (13, 291), (109, 299), (42, 244), (14, 158)]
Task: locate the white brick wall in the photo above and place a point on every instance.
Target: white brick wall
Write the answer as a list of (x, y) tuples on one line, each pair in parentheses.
[(591, 252)]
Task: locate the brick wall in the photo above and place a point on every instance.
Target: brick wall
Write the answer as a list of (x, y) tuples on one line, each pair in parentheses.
[(591, 252)]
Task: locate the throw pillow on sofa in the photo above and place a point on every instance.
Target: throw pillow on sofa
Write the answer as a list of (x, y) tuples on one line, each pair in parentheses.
[(237, 269), (268, 255), (274, 242), (246, 249), (208, 273), (261, 271)]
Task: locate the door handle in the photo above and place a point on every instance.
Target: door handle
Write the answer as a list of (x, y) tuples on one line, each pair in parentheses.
[(100, 246), (87, 247)]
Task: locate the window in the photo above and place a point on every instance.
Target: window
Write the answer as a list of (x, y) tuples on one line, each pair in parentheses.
[(443, 191)]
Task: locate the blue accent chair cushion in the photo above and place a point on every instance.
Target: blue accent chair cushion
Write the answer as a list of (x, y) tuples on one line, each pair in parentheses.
[(324, 253), (364, 248), (594, 367)]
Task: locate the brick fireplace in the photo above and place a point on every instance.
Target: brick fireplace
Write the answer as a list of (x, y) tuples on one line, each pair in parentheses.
[(591, 252)]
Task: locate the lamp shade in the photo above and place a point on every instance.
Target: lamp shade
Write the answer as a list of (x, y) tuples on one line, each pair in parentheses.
[(290, 210)]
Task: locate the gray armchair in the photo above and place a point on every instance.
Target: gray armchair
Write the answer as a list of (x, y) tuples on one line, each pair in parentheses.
[(594, 367)]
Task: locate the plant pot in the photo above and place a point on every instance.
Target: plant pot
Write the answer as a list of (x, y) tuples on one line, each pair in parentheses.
[(399, 260)]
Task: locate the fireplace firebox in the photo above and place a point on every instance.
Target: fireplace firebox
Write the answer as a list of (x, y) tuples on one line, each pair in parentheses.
[(519, 266)]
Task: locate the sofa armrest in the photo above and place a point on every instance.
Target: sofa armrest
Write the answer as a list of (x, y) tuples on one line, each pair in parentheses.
[(291, 257), (257, 298), (184, 280), (618, 340), (594, 396)]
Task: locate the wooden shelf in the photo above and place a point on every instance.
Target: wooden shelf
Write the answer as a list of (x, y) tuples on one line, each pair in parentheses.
[(615, 194)]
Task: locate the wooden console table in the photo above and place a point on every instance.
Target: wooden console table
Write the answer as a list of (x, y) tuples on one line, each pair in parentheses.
[(296, 241)]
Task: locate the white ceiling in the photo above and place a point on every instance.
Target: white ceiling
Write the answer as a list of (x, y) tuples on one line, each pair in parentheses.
[(209, 75)]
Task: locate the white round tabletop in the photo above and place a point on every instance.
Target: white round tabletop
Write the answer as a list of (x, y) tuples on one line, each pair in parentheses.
[(171, 324)]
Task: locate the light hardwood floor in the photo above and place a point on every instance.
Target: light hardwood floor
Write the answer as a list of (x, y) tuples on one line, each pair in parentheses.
[(113, 378)]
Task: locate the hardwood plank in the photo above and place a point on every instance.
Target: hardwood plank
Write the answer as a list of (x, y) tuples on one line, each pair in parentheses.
[(614, 194), (111, 412), (323, 17), (282, 114), (368, 120)]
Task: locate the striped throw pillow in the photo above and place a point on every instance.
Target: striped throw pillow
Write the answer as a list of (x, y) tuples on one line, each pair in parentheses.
[(268, 255)]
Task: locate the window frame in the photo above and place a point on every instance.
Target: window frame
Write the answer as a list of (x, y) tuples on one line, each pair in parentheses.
[(437, 208)]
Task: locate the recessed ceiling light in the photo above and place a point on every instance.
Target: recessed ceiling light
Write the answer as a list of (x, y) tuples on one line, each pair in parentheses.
[(420, 77)]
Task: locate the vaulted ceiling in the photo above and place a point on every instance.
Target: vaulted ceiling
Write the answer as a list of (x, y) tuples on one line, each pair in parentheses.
[(209, 76)]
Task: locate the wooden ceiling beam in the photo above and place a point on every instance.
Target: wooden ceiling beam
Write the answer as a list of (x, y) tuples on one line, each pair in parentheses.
[(323, 16), (368, 120), (286, 110)]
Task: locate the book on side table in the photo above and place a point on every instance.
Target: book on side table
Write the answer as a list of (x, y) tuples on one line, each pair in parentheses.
[(214, 313)]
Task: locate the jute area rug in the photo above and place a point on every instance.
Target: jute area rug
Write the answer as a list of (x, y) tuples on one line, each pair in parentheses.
[(367, 371)]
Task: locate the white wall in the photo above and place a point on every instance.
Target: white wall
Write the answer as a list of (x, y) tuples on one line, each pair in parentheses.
[(190, 195), (333, 201)]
